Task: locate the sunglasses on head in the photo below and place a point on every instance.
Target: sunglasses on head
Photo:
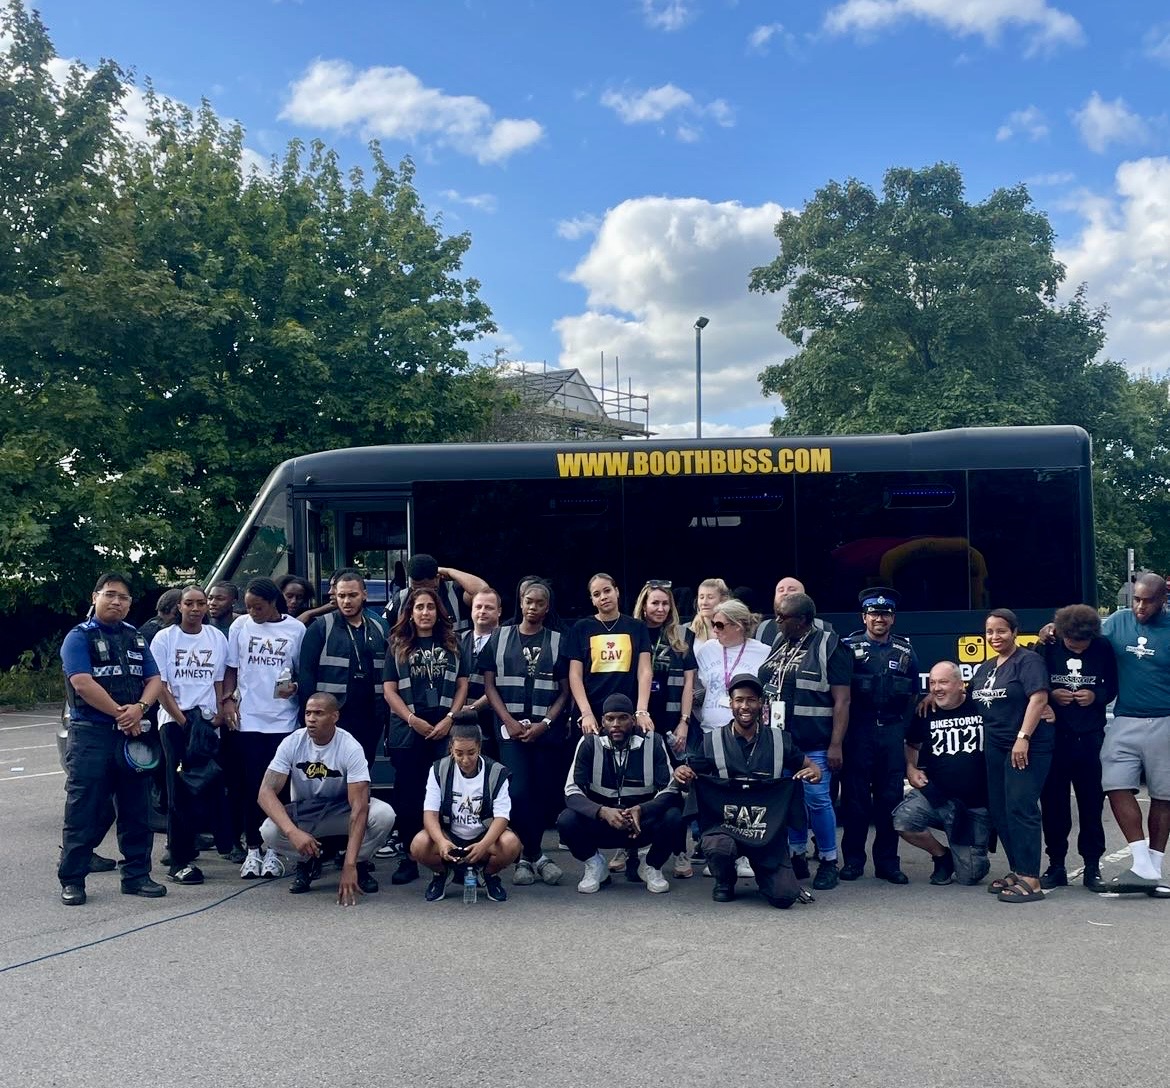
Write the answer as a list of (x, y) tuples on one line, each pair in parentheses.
[(654, 583)]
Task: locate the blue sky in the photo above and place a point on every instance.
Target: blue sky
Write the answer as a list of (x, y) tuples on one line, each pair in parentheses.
[(620, 164)]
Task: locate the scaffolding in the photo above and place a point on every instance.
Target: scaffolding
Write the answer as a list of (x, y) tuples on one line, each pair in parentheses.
[(574, 409)]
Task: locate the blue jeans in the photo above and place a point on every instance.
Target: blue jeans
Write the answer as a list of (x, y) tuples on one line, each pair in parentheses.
[(821, 818)]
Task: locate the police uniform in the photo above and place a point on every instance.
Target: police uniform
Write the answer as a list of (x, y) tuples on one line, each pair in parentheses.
[(885, 681), (96, 767)]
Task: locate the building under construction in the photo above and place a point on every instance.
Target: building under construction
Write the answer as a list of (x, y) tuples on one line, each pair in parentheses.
[(559, 405)]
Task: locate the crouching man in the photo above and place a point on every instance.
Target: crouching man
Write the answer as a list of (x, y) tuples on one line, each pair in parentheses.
[(611, 798), (330, 789), (744, 800), (946, 766)]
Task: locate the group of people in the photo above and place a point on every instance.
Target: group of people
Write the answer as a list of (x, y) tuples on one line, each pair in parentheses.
[(624, 732)]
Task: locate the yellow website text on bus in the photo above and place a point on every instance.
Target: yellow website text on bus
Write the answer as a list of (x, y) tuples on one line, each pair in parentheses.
[(703, 462)]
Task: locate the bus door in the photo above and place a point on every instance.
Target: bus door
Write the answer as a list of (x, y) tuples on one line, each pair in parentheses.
[(371, 535)]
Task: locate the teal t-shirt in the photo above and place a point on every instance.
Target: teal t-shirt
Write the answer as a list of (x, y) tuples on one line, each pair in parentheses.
[(1143, 663)]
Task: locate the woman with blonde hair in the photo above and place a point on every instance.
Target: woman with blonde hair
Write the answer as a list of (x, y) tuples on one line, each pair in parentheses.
[(712, 593)]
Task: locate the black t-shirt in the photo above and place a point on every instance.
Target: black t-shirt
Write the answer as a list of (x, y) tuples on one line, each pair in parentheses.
[(666, 659), (425, 665), (1002, 693), (952, 754), (1096, 669), (609, 653)]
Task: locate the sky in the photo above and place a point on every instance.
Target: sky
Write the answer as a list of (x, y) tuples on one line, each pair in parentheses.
[(621, 164)]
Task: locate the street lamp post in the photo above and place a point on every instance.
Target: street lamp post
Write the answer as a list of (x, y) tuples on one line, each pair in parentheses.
[(700, 325)]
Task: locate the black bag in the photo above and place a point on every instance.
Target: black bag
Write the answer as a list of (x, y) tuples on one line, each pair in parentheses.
[(200, 768)]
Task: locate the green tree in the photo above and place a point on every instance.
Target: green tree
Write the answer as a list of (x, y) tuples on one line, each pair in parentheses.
[(916, 310), (171, 327)]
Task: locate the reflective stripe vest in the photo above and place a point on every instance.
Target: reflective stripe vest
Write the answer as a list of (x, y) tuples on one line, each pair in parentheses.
[(116, 660), (336, 657), (609, 786), (512, 671), (494, 776)]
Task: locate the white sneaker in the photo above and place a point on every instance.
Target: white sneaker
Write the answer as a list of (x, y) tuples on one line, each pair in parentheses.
[(653, 879), (743, 868), (272, 865), (250, 870), (596, 874), (548, 870)]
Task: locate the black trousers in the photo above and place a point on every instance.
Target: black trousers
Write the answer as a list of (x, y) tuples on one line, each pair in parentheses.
[(411, 766), (772, 865), (536, 787), (96, 771), (368, 729), (249, 756), (584, 836), (188, 813), (872, 773), (1076, 766), (1013, 798)]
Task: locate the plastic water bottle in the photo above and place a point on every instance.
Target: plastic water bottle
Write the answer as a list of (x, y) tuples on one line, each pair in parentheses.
[(470, 885)]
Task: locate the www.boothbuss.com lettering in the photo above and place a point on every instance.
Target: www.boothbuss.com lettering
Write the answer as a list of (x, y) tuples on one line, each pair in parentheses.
[(708, 462)]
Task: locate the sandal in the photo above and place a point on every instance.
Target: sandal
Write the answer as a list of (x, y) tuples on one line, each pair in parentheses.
[(1002, 884), (1021, 893)]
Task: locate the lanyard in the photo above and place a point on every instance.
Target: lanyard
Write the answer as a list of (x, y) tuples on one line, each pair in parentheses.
[(621, 759), (787, 657), (729, 673), (357, 653)]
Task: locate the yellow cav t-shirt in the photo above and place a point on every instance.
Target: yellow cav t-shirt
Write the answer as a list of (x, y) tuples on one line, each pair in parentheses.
[(611, 653)]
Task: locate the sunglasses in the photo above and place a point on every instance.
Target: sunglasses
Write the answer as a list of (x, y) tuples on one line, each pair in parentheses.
[(654, 583), (719, 625)]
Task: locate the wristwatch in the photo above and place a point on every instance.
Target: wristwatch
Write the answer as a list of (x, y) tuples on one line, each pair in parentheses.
[(145, 707), (546, 721), (1023, 736)]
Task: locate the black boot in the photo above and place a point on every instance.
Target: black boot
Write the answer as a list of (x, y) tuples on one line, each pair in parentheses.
[(1092, 876), (944, 870), (800, 866), (306, 873), (365, 879), (1055, 876)]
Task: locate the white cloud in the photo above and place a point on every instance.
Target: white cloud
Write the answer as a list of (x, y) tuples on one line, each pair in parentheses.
[(668, 15), (1048, 27), (1123, 254), (1102, 123), (482, 202), (658, 103), (656, 265), (1056, 178), (759, 39), (578, 227), (393, 103), (1029, 122), (1157, 43)]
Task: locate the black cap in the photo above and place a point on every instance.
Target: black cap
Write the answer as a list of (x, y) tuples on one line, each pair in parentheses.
[(617, 704), (878, 599), (746, 680)]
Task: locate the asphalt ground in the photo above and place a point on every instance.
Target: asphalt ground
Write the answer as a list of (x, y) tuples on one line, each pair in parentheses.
[(238, 983)]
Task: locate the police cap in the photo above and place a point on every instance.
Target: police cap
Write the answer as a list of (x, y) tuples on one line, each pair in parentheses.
[(878, 599)]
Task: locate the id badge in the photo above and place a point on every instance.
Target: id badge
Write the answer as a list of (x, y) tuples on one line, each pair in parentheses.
[(777, 713), (430, 698), (655, 686)]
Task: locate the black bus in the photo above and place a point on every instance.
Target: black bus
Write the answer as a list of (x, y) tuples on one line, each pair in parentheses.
[(957, 521)]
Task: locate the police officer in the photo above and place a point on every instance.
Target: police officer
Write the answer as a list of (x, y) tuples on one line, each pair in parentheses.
[(112, 683), (885, 679)]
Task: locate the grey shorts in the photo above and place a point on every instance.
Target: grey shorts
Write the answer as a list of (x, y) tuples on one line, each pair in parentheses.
[(967, 837), (1133, 745)]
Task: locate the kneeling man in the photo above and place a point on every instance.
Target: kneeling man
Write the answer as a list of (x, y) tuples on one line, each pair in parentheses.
[(330, 800), (745, 800), (611, 799), (950, 781)]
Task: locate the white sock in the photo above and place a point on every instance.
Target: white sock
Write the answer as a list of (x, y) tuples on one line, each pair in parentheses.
[(1156, 859), (1143, 866)]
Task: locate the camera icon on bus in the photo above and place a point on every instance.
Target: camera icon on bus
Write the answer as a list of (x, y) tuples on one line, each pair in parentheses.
[(973, 649)]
